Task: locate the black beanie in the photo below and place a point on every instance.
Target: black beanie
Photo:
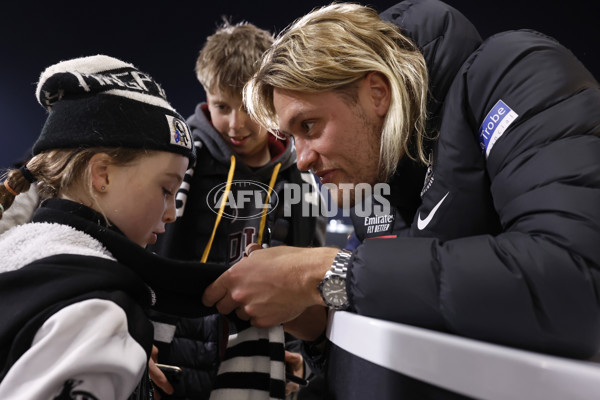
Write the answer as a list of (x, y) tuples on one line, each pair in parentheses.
[(99, 101)]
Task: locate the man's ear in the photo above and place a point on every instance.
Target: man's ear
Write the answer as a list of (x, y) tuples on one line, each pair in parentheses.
[(99, 171), (380, 92)]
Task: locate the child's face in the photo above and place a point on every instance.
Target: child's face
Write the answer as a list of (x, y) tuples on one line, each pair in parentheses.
[(140, 198), (244, 136)]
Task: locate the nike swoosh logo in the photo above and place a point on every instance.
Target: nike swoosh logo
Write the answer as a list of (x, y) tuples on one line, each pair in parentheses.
[(422, 223)]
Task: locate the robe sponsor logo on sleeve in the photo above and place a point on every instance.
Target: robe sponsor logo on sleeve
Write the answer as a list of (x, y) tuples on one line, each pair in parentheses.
[(494, 125)]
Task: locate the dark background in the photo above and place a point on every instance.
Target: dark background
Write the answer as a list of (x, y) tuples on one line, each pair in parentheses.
[(163, 39)]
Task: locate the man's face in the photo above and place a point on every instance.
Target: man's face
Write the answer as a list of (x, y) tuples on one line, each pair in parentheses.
[(335, 139), (244, 136)]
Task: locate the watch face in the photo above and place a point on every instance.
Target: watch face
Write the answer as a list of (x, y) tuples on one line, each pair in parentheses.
[(334, 289)]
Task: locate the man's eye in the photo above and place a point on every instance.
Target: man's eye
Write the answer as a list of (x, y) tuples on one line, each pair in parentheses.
[(167, 192), (307, 125)]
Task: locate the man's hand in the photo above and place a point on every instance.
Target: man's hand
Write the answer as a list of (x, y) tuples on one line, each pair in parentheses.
[(309, 325), (271, 286)]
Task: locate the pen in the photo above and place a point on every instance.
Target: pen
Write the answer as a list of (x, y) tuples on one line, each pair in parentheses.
[(296, 379)]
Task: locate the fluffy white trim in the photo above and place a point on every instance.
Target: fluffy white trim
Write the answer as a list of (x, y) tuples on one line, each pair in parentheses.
[(24, 244)]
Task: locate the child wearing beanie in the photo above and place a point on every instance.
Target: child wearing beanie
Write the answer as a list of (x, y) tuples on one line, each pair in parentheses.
[(76, 282)]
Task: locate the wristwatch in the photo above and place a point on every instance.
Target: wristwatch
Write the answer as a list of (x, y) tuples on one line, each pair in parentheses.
[(333, 285)]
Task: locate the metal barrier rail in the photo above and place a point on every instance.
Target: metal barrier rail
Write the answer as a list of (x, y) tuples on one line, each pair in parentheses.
[(466, 366)]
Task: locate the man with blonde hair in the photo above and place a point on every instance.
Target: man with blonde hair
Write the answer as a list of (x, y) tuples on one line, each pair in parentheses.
[(490, 225)]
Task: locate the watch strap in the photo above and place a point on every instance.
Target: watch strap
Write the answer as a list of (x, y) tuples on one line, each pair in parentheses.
[(340, 263), (338, 271)]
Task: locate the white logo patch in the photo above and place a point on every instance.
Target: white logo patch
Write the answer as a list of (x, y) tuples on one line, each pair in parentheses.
[(494, 125), (180, 135)]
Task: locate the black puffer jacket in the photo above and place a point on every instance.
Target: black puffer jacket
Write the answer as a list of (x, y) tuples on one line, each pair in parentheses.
[(503, 245)]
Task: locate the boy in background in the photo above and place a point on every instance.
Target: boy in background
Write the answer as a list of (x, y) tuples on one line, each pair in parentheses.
[(234, 156)]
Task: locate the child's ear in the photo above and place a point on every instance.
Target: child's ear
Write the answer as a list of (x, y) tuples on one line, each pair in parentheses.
[(99, 171)]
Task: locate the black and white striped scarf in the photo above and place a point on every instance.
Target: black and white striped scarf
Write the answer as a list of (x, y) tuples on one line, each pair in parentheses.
[(253, 367)]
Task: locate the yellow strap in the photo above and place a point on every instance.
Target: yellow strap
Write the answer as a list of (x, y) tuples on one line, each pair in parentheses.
[(221, 210), (263, 219)]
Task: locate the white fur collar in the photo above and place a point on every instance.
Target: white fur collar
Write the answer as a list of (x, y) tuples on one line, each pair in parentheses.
[(26, 243)]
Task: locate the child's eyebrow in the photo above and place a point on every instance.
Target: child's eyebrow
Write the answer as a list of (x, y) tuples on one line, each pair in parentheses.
[(174, 175)]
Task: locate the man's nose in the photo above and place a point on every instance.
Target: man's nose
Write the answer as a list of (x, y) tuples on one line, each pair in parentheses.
[(306, 156)]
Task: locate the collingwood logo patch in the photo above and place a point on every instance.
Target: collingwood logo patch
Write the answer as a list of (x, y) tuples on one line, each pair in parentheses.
[(494, 125), (179, 132)]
